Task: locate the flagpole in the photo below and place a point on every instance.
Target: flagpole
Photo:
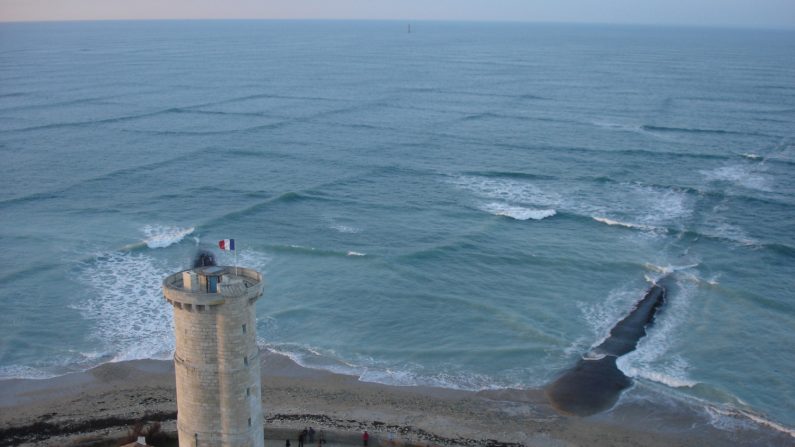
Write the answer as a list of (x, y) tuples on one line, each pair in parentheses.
[(222, 244)]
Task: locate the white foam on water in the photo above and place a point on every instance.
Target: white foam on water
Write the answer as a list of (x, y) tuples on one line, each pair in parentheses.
[(388, 376), (68, 362), (667, 269), (725, 230), (310, 357), (412, 374), (713, 281), (768, 423), (602, 316), (727, 416), (718, 226), (673, 376), (415, 376), (577, 346), (746, 176), (660, 206), (517, 192), (662, 271), (125, 307), (752, 156), (727, 420), (517, 212), (356, 253), (591, 355), (341, 224), (696, 279), (25, 372), (160, 236), (650, 208), (344, 228), (731, 419)]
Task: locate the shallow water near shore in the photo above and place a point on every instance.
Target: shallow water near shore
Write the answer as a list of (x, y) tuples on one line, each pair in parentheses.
[(115, 395), (469, 206)]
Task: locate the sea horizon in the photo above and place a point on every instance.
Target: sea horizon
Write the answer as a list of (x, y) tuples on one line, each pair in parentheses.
[(406, 21)]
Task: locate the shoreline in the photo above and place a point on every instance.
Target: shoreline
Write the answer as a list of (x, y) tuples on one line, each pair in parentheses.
[(111, 397)]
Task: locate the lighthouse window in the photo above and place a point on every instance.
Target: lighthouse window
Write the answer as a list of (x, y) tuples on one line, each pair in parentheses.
[(244, 328), (245, 361), (249, 422), (248, 391)]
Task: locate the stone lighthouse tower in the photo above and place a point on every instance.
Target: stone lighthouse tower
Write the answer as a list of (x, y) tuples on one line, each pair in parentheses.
[(219, 400)]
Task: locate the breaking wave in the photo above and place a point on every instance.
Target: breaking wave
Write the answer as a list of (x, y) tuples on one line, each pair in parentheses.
[(673, 376), (517, 212), (612, 222), (159, 236)]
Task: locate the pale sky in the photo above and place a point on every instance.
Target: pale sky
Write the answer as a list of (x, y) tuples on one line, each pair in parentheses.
[(744, 13)]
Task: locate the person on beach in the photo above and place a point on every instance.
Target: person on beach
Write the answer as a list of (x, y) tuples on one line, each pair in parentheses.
[(301, 437), (365, 438), (321, 438), (311, 435), (286, 443)]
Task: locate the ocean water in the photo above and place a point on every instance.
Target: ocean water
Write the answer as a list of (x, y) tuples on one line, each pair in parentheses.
[(469, 205)]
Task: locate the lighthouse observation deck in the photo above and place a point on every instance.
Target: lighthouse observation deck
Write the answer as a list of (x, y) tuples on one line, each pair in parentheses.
[(211, 286)]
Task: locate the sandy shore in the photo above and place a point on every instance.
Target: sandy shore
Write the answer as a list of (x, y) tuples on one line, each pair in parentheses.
[(103, 402)]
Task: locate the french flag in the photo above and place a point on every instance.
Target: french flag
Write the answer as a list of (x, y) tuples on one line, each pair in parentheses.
[(227, 244)]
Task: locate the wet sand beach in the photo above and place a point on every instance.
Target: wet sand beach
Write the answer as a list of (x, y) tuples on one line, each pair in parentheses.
[(104, 402)]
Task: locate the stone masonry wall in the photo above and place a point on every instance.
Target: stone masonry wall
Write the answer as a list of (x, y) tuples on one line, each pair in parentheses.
[(217, 372)]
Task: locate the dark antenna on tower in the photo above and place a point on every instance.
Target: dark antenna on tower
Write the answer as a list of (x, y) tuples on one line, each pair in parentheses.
[(203, 259)]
